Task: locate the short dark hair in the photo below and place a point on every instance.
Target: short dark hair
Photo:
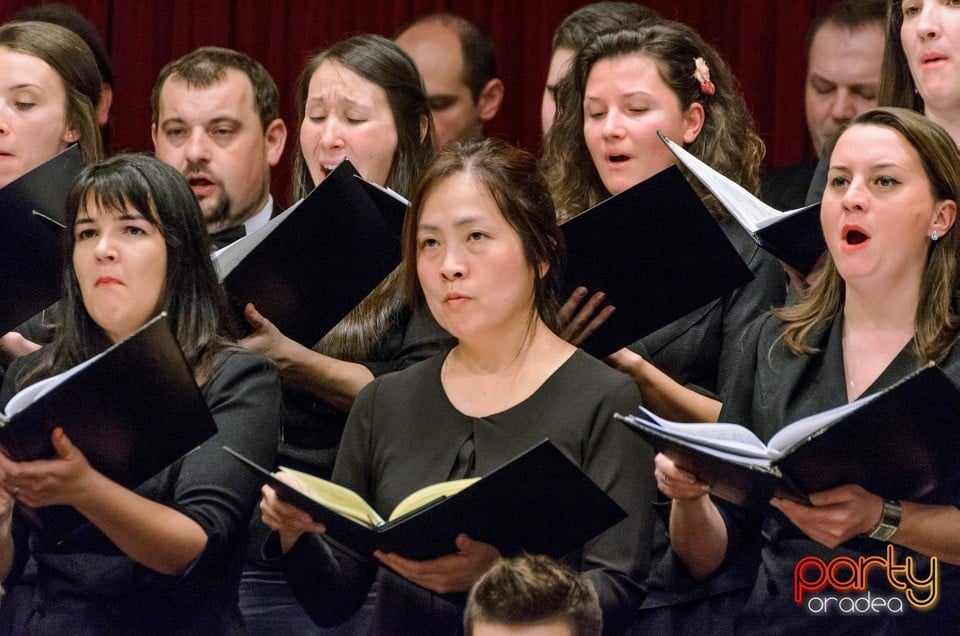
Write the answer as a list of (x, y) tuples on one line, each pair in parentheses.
[(69, 18), (519, 191), (192, 296), (207, 66), (534, 589), (584, 23), (479, 58), (850, 15)]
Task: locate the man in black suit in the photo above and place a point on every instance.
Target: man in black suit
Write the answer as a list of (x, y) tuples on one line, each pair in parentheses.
[(216, 119), (844, 54)]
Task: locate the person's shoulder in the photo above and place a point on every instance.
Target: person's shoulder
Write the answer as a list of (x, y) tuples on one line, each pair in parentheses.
[(234, 360), (595, 376), (407, 381), (766, 328)]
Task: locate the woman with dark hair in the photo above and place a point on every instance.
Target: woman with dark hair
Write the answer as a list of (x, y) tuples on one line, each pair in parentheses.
[(361, 99), (482, 250), (883, 307), (164, 557)]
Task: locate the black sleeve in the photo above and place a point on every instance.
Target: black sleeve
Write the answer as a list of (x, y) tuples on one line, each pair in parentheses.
[(766, 291), (213, 489), (330, 581), (617, 460)]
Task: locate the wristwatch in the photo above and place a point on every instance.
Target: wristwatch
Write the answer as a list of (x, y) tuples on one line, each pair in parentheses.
[(889, 521)]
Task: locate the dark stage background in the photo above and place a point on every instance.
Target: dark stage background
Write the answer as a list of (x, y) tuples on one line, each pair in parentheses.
[(763, 40)]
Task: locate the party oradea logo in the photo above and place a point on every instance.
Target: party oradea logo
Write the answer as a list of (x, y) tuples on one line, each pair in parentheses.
[(840, 585)]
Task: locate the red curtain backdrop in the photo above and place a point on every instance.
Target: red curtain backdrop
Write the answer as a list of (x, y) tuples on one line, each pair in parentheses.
[(762, 40)]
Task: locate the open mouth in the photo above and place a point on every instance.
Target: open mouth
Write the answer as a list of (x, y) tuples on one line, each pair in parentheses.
[(617, 158), (854, 236), (327, 168)]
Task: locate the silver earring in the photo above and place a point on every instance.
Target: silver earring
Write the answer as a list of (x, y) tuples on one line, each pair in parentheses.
[(934, 235)]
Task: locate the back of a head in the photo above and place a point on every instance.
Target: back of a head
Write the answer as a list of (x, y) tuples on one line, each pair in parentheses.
[(584, 23), (70, 19), (207, 66), (479, 57), (530, 590), (849, 15)]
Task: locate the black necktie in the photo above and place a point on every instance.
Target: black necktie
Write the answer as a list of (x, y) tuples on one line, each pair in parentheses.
[(226, 237)]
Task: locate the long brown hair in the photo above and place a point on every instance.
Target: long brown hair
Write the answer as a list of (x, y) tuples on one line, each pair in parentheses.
[(936, 321), (727, 141), (381, 62), (897, 87)]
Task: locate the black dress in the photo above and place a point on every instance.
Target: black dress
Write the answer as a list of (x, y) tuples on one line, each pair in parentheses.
[(403, 434), (311, 432), (85, 585), (771, 388)]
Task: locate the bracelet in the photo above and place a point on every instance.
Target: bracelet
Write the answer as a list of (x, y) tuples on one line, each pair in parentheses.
[(889, 521)]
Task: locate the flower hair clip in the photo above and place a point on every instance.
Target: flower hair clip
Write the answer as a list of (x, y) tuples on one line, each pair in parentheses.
[(702, 74)]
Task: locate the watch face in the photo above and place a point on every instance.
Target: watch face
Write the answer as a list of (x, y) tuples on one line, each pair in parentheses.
[(883, 532), (889, 521)]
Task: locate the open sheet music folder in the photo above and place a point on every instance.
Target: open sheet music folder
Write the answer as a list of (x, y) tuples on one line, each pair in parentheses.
[(657, 253), (898, 443), (795, 236), (132, 410), (540, 502), (309, 266), (32, 217)]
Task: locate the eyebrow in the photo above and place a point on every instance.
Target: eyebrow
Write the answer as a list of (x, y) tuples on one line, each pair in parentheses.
[(464, 221), (342, 99), (128, 216), (590, 98), (876, 166)]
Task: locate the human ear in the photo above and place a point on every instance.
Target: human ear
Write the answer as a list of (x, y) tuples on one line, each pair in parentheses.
[(103, 106), (944, 217), (276, 138), (692, 122), (490, 98)]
